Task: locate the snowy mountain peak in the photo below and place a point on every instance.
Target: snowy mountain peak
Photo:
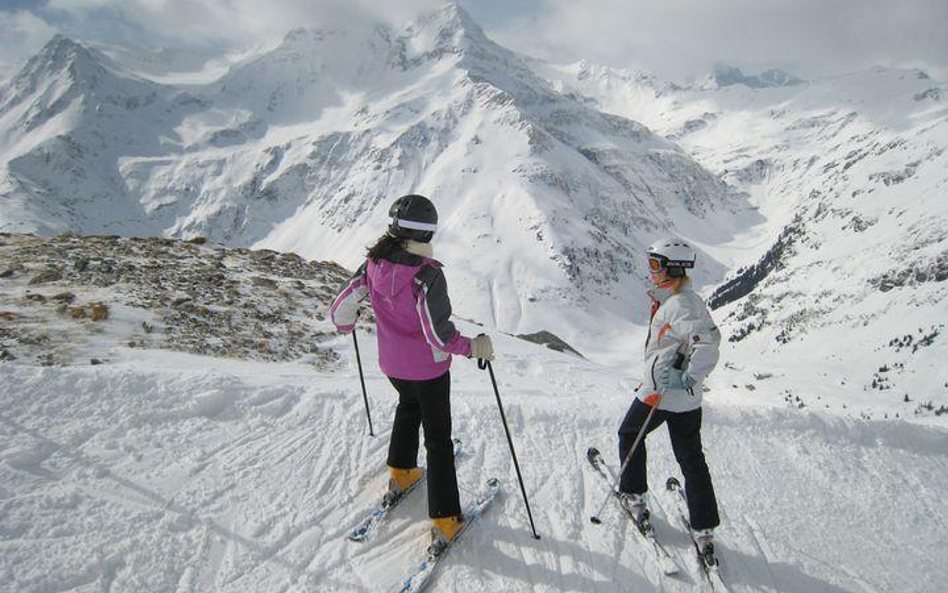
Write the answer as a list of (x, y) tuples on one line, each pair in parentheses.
[(67, 79), (58, 51), (454, 26), (446, 32), (725, 75), (61, 58)]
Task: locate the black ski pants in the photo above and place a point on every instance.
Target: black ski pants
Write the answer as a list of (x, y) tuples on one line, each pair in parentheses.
[(684, 428), (427, 404)]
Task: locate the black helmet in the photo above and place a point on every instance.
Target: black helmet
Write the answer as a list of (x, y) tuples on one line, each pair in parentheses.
[(413, 217)]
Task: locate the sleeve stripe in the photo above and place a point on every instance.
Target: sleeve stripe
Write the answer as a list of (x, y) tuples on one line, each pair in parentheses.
[(354, 285), (425, 316)]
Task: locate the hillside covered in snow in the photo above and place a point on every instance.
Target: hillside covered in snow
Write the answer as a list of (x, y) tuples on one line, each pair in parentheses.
[(139, 459), (304, 147), (845, 281)]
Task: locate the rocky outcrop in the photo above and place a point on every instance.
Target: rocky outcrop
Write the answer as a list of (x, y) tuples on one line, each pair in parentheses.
[(550, 340), (65, 299)]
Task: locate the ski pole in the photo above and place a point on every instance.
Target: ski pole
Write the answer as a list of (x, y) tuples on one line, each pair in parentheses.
[(482, 364), (365, 396), (655, 398)]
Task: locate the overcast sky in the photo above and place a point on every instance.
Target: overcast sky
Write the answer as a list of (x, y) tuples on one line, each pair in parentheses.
[(673, 38)]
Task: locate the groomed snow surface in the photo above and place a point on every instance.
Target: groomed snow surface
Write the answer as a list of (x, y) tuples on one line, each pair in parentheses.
[(169, 472)]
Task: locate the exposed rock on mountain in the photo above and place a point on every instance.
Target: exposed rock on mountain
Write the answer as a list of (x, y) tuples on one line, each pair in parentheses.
[(70, 299)]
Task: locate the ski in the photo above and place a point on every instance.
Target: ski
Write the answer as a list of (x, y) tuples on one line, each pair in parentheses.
[(644, 529), (367, 526), (422, 576), (706, 558)]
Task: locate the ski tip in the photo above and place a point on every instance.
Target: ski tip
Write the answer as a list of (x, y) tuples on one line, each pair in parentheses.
[(672, 483)]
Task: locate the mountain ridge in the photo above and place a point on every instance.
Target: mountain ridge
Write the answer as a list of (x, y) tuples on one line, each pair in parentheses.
[(295, 151)]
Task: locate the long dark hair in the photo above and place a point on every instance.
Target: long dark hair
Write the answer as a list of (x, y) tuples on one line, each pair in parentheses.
[(384, 247)]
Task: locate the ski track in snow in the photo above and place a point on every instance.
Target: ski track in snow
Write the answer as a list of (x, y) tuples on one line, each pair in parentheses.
[(166, 472)]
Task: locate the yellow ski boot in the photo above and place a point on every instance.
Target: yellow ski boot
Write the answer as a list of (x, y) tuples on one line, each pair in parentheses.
[(443, 532), (400, 481)]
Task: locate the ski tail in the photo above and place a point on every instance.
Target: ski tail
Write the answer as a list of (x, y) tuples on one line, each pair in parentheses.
[(706, 556), (423, 575)]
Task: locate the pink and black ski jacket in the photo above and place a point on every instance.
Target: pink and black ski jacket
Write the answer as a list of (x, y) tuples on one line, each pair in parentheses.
[(409, 295)]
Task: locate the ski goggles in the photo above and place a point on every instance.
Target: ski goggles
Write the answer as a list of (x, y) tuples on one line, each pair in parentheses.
[(655, 264)]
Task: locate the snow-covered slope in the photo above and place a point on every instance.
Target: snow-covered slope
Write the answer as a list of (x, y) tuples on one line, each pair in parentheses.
[(845, 281), (170, 472), (66, 121), (130, 462), (548, 201)]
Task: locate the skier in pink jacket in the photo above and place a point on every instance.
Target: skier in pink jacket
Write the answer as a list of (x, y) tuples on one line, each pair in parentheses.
[(416, 339)]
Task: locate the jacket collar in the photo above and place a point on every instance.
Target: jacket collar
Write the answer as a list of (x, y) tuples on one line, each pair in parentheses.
[(664, 291), (421, 249)]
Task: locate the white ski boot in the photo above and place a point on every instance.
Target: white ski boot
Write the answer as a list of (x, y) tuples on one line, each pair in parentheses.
[(704, 542), (637, 508)]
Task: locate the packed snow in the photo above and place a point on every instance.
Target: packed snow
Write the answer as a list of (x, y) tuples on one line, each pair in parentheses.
[(171, 472)]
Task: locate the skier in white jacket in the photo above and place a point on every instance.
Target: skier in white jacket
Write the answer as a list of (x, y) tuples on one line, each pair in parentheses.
[(680, 351)]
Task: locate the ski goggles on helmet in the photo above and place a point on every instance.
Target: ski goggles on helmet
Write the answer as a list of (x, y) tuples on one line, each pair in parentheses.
[(656, 264), (676, 269)]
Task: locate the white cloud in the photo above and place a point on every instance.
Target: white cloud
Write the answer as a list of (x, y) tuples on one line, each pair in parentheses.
[(683, 37), (233, 22), (674, 38), (21, 35), (219, 24)]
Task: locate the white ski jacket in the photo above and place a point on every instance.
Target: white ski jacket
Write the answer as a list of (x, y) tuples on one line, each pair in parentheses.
[(680, 324)]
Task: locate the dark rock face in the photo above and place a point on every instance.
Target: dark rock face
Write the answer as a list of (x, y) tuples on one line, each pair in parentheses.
[(46, 276), (549, 340), (728, 75), (747, 279), (916, 273)]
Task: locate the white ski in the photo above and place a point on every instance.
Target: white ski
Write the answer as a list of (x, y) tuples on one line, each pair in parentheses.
[(707, 559), (664, 559)]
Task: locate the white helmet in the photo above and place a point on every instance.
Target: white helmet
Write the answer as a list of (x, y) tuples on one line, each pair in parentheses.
[(673, 254)]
